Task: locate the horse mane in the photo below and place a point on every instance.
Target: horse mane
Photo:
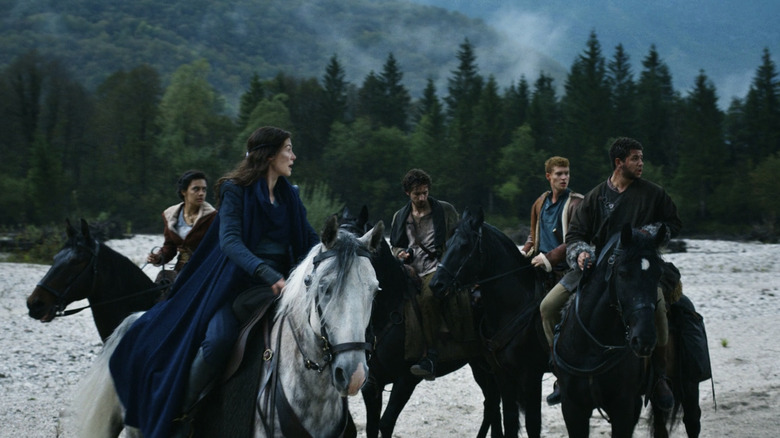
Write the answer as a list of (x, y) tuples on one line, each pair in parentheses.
[(295, 294), (507, 242), (125, 268), (642, 244)]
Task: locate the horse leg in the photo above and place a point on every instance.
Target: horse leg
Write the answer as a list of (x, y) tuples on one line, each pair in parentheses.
[(511, 408), (691, 409), (372, 397), (533, 405), (623, 415), (577, 419), (491, 415), (399, 396), (660, 418)]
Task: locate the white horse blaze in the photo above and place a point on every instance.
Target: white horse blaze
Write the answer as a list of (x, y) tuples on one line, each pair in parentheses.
[(645, 264)]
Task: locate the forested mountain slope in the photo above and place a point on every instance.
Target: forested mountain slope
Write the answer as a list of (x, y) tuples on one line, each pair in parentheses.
[(241, 37)]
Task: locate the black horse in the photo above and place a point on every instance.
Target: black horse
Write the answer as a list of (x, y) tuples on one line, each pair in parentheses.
[(607, 334), (85, 268), (388, 365), (511, 330)]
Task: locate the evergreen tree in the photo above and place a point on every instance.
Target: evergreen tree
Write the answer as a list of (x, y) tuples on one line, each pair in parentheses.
[(585, 111), (517, 99), (431, 107), (762, 111), (427, 143), (623, 92), (464, 90), (249, 100), (44, 111), (702, 153), (125, 169), (394, 110), (656, 102), (544, 114), (370, 99), (335, 86), (488, 132)]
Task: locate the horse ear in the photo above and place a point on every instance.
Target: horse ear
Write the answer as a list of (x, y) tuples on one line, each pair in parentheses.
[(363, 216), (625, 234), (661, 236), (69, 230), (345, 212), (85, 228), (478, 217), (373, 238), (330, 232)]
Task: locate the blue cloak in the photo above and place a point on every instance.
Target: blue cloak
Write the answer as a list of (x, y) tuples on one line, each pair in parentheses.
[(151, 364)]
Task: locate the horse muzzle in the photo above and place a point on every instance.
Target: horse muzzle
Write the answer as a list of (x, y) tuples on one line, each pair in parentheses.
[(39, 309), (349, 376)]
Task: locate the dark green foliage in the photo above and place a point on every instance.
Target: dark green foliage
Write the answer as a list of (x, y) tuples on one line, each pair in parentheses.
[(116, 148)]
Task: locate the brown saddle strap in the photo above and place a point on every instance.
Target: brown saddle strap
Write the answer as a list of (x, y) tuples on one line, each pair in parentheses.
[(239, 347)]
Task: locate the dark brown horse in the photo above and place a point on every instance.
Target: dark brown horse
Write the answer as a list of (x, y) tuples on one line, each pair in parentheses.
[(87, 269)]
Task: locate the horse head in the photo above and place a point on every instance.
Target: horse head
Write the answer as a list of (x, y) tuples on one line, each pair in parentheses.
[(331, 294), (355, 224), (463, 259), (633, 276), (70, 277)]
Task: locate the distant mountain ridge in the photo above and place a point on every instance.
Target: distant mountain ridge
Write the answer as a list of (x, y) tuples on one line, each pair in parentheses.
[(239, 37)]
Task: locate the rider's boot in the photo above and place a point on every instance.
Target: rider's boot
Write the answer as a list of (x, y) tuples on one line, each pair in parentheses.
[(426, 367), (662, 396), (202, 376), (555, 397)]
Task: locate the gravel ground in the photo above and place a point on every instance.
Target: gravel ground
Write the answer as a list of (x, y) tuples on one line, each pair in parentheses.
[(734, 285)]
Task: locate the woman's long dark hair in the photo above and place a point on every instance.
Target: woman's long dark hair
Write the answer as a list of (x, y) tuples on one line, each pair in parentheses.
[(262, 145)]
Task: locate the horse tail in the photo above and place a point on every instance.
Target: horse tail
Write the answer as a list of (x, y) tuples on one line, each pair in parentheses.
[(96, 403)]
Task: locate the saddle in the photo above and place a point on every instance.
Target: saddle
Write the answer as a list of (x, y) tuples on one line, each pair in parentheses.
[(239, 348)]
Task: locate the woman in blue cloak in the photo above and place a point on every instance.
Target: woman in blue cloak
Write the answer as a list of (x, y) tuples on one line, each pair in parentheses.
[(176, 349)]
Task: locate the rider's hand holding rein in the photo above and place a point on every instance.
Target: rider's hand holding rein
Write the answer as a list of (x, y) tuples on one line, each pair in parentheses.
[(270, 276)]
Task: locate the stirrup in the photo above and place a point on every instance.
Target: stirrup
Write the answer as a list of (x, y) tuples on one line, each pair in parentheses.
[(424, 368), (555, 397)]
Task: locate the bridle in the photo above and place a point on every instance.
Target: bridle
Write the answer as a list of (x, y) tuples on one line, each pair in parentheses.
[(329, 351), (61, 296), (613, 293), (60, 304), (456, 284), (608, 350)]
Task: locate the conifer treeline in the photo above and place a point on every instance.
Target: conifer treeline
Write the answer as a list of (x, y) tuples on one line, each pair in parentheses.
[(118, 150)]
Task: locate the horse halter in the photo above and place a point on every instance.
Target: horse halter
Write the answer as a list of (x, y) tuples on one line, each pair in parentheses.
[(613, 293), (455, 282), (457, 285), (59, 306), (329, 351)]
